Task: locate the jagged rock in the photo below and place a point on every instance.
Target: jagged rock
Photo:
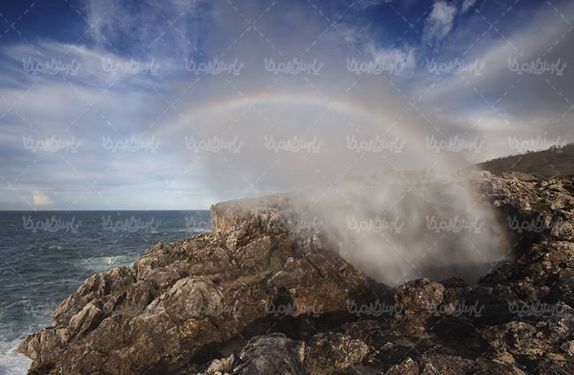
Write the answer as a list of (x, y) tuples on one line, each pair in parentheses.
[(406, 367), (334, 351), (264, 277), (438, 363), (220, 366), (420, 300), (272, 354), (549, 337), (182, 297)]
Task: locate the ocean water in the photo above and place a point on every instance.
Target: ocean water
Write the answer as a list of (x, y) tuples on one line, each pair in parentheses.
[(45, 256)]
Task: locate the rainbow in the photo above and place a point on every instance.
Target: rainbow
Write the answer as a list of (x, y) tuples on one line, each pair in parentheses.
[(203, 114)]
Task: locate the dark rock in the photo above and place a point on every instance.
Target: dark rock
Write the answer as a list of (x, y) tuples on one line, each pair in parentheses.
[(334, 351), (272, 354), (420, 300), (264, 294)]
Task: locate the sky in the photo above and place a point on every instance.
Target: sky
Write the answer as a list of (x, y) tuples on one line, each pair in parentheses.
[(173, 104)]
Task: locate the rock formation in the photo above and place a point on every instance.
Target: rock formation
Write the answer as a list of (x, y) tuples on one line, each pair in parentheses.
[(262, 294)]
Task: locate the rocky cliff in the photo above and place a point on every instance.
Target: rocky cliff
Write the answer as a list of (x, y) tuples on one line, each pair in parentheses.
[(264, 294)]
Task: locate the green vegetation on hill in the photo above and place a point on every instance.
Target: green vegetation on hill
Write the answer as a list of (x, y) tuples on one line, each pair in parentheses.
[(556, 161)]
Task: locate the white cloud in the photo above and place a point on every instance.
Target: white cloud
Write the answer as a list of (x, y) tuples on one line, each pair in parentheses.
[(498, 104), (466, 5), (401, 60), (157, 28), (439, 23), (363, 4), (526, 44), (106, 91)]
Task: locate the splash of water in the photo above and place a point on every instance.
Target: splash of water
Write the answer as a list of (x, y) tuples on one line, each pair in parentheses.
[(413, 219)]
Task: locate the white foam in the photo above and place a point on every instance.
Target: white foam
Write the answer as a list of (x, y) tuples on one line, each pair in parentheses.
[(12, 362), (103, 263)]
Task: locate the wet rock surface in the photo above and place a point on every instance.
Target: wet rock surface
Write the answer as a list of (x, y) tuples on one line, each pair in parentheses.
[(264, 295)]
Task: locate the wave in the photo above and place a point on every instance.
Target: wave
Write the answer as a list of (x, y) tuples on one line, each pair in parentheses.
[(98, 264), (190, 230), (12, 362)]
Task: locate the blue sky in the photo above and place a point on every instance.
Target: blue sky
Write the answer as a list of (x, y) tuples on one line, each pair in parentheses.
[(174, 104)]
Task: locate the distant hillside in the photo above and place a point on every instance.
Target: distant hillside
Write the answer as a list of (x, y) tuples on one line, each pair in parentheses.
[(551, 162)]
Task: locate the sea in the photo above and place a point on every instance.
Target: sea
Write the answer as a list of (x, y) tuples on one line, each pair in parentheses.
[(45, 256)]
